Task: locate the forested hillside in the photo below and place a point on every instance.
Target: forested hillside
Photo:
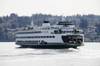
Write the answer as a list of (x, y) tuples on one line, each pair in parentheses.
[(89, 23)]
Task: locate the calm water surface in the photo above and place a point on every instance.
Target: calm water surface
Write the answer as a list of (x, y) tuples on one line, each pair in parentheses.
[(87, 55)]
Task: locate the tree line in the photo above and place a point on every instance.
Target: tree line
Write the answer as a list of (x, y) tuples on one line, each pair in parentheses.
[(90, 24)]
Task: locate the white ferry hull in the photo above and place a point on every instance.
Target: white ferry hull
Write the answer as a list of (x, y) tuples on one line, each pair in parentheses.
[(53, 40)]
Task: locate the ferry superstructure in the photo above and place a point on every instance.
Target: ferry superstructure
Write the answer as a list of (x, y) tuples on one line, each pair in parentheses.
[(63, 34)]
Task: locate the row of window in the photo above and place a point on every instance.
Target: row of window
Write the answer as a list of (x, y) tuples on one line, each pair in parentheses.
[(27, 42), (28, 32), (37, 37)]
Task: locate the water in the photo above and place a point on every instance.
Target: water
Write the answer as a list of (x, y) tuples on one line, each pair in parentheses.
[(87, 55)]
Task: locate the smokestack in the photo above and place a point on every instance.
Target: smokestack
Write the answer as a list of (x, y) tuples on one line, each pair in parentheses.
[(46, 23)]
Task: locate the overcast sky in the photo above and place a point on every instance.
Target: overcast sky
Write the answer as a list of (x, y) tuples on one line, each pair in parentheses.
[(55, 7)]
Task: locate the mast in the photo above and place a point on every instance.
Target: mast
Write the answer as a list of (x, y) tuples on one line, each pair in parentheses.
[(32, 23), (63, 19)]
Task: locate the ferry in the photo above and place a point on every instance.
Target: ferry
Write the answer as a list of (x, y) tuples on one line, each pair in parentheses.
[(62, 34)]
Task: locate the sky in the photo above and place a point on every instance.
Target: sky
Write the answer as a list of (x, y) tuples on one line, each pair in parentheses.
[(54, 7)]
